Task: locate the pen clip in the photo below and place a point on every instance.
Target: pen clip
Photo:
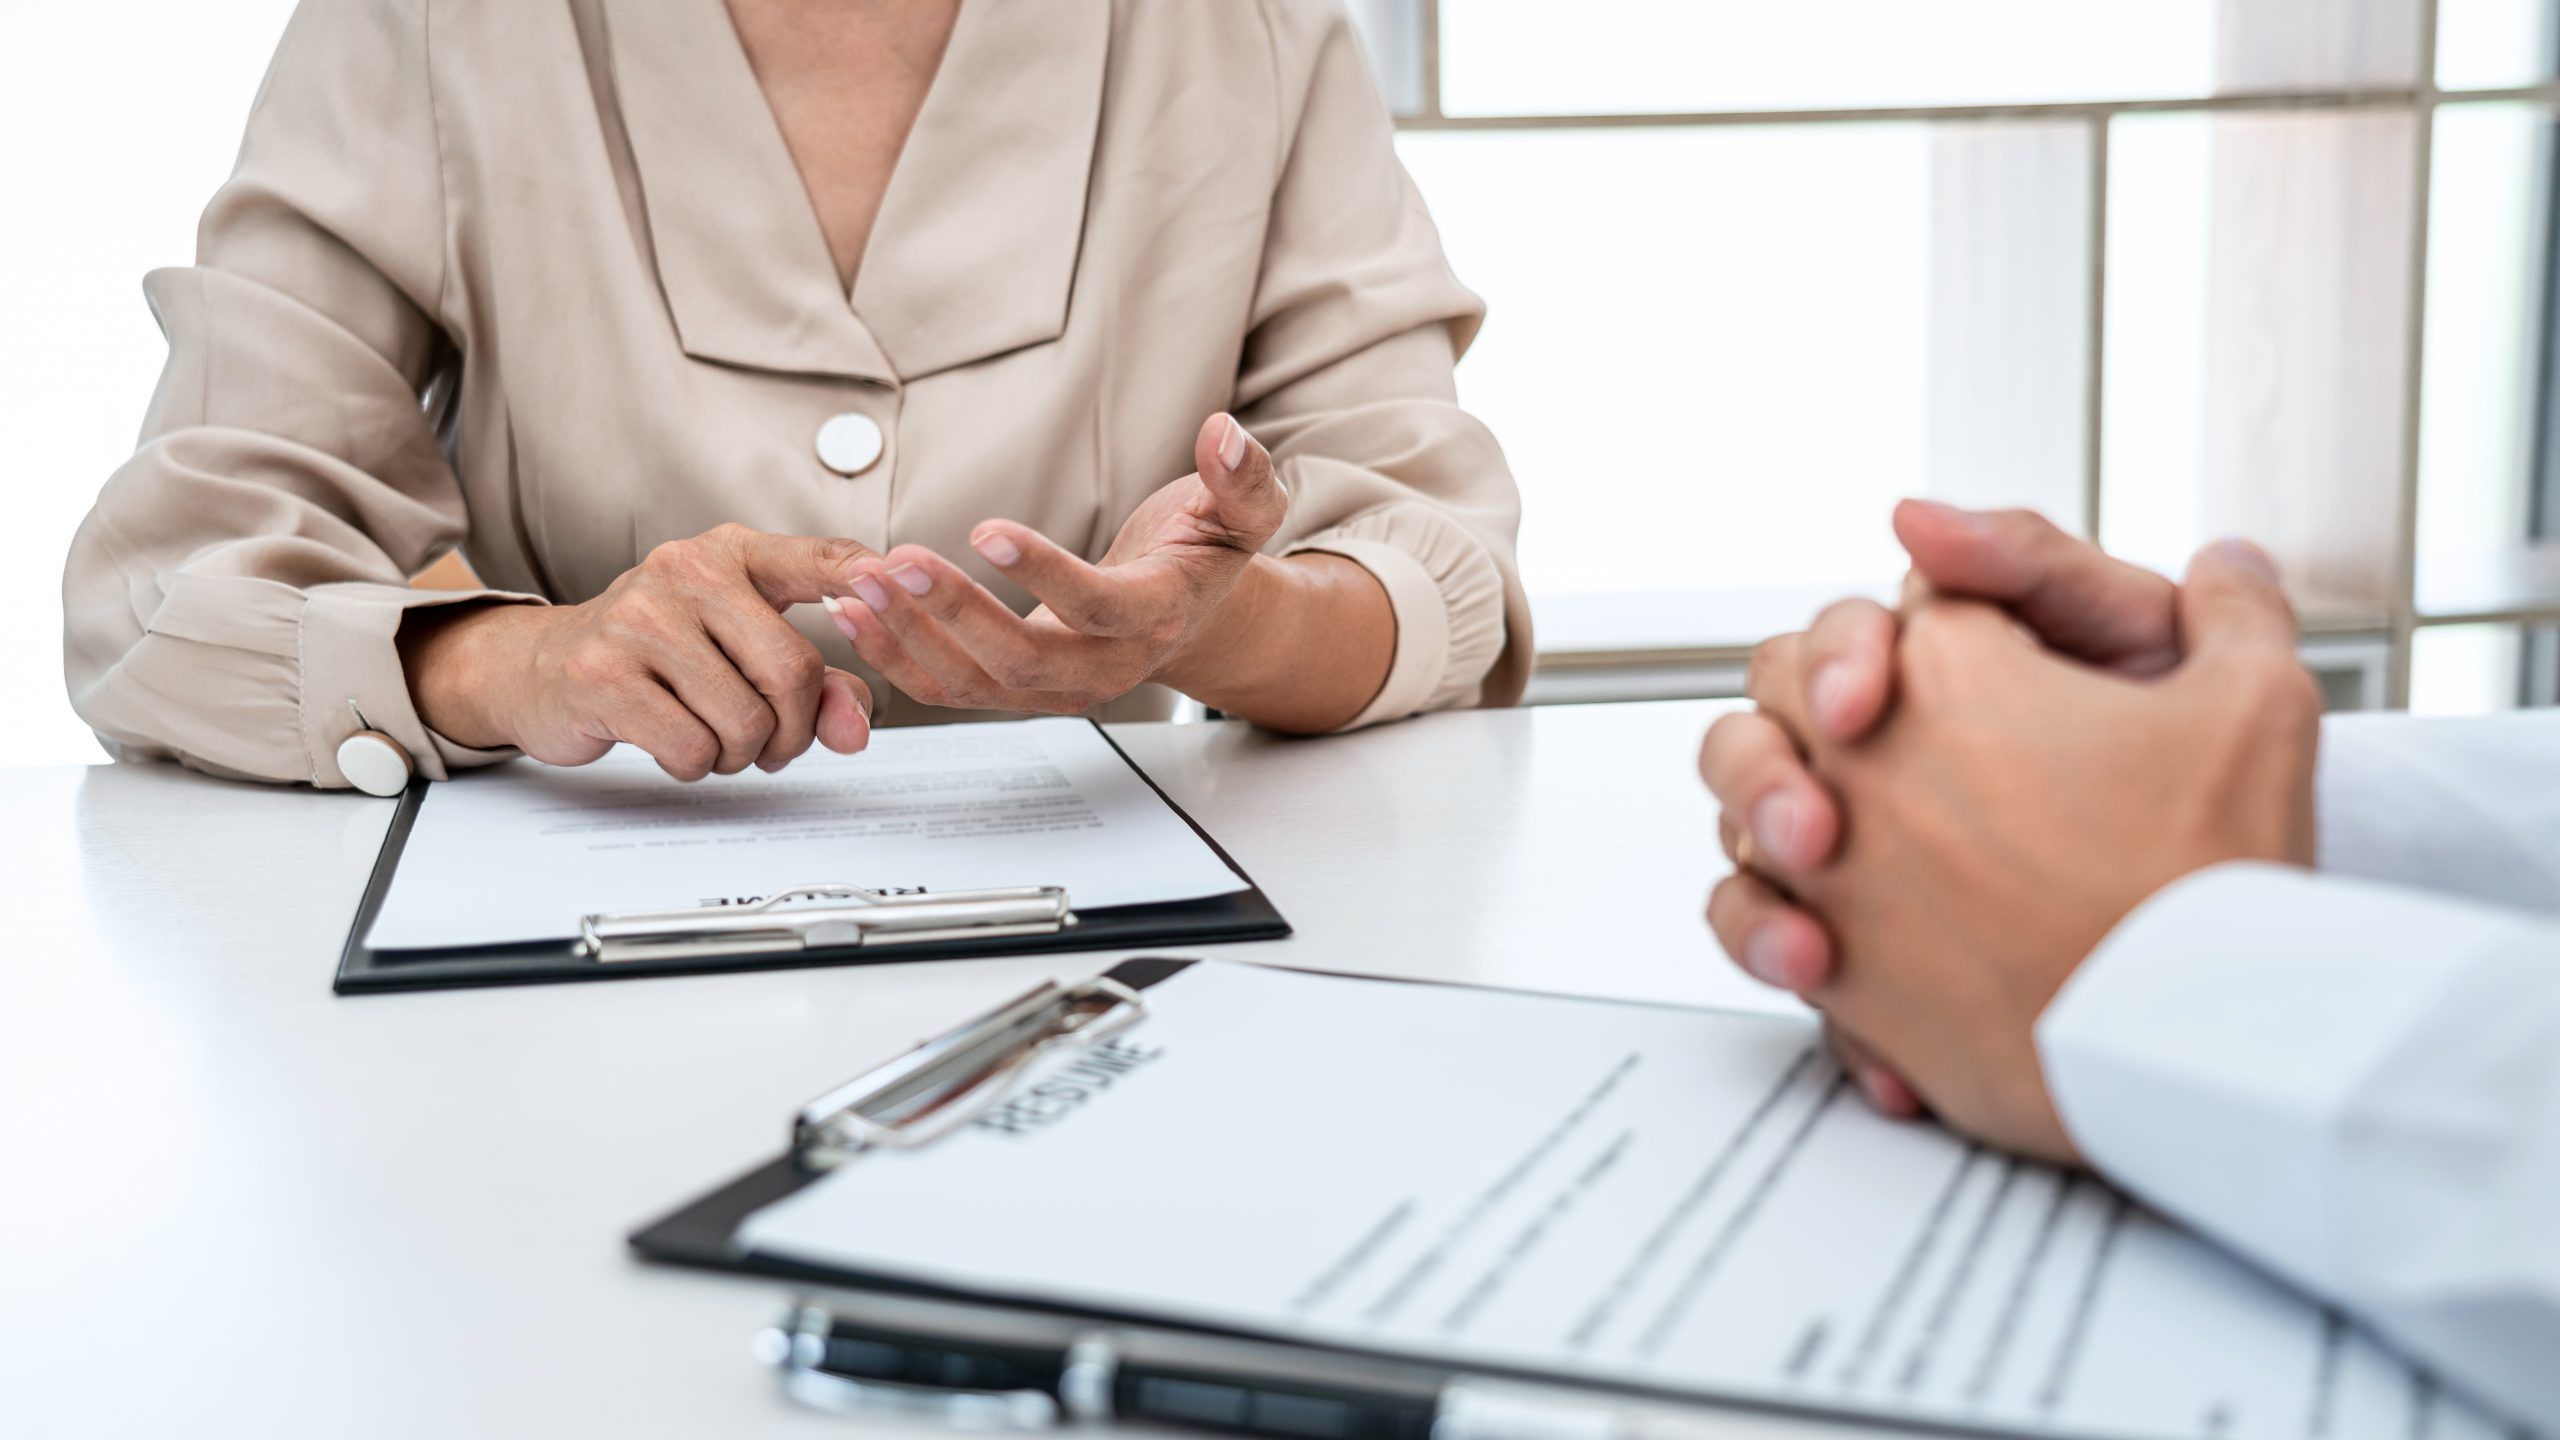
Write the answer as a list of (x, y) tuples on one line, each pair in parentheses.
[(863, 917), (943, 1084), (798, 1348)]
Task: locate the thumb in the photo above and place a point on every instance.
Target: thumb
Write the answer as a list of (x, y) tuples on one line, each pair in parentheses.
[(1239, 475), (2075, 597), (2233, 603), (799, 569)]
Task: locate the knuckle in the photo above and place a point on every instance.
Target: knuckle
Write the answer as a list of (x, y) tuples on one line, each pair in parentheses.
[(2280, 689), (591, 664), (838, 553), (669, 557), (797, 666), (695, 754)]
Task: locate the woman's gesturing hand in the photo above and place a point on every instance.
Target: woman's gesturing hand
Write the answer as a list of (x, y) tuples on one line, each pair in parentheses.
[(1101, 630), (686, 656)]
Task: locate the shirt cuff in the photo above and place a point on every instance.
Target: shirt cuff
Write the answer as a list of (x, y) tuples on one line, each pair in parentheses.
[(1448, 599), (2207, 1053), (352, 678)]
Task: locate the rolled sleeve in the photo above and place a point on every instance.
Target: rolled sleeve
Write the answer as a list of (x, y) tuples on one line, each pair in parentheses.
[(1447, 595)]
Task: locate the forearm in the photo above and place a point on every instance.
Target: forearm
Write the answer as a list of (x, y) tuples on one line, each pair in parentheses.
[(1302, 644)]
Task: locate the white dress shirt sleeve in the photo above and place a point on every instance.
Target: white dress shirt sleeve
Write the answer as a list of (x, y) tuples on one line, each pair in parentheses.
[(2354, 1085), (2463, 806)]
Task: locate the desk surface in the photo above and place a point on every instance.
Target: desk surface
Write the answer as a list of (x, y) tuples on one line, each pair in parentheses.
[(238, 1203)]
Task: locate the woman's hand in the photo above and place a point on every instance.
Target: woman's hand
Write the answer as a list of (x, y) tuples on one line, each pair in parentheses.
[(1101, 630), (686, 656), (2015, 807)]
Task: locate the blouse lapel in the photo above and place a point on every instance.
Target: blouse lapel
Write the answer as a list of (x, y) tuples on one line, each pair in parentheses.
[(974, 250), (740, 256)]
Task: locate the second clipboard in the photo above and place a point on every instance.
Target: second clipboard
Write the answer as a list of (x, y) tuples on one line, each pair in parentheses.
[(840, 924)]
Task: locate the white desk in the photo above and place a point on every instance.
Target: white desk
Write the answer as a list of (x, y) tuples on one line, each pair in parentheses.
[(234, 1203)]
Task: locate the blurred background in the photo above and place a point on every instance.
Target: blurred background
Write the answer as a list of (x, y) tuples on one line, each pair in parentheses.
[(2164, 269)]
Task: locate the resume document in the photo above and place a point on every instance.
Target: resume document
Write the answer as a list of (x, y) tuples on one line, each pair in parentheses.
[(1681, 1201), (524, 852)]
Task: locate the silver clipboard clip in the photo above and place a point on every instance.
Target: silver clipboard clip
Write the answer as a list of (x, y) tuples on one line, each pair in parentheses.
[(865, 918), (945, 1083)]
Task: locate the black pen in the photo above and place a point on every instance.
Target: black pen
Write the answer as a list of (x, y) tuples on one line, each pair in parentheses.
[(982, 1368)]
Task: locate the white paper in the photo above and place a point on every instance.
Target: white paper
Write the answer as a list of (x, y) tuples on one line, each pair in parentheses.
[(1689, 1200), (521, 852)]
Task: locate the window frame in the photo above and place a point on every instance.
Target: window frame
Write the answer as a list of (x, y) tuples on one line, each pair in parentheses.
[(2365, 658)]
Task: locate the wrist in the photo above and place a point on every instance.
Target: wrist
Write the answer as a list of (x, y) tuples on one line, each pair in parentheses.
[(1222, 647), (453, 657)]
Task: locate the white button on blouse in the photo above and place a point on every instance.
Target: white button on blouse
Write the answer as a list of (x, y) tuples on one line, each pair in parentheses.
[(850, 444), (374, 763)]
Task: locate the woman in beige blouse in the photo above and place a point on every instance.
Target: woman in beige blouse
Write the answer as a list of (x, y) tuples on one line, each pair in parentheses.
[(785, 348)]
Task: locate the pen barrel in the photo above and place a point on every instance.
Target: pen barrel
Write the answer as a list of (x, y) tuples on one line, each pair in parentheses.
[(1246, 1389)]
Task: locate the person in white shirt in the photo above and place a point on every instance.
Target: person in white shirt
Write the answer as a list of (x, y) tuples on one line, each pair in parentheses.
[(2049, 850)]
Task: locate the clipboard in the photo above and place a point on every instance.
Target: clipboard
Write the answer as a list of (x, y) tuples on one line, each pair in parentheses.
[(838, 922), (873, 1298), (941, 1086)]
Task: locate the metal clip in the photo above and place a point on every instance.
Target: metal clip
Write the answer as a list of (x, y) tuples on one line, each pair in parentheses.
[(869, 918), (798, 1348), (944, 1084)]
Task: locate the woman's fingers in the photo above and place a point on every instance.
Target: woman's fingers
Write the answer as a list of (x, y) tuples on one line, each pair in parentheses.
[(1848, 660), (1005, 646), (1756, 773), (1239, 475), (860, 617), (844, 712), (1081, 594), (926, 659), (644, 714), (1773, 941), (778, 661), (701, 676)]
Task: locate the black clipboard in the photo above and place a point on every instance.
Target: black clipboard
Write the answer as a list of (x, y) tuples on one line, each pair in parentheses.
[(1239, 915), (706, 1234)]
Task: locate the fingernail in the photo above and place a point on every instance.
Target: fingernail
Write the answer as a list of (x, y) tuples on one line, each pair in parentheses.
[(834, 605), (1777, 820), (1231, 454), (912, 579), (1871, 1082), (999, 549), (1765, 954), (1829, 693), (2243, 555), (869, 590)]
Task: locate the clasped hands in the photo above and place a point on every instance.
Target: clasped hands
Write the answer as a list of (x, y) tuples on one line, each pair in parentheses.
[(687, 657), (1938, 811)]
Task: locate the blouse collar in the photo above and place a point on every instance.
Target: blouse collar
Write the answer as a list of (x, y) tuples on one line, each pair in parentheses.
[(973, 252)]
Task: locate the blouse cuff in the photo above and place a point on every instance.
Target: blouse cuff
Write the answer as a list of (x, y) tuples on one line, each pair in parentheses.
[(1446, 595), (352, 678)]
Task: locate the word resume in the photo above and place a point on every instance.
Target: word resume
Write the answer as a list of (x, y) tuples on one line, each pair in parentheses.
[(1679, 1201), (524, 852)]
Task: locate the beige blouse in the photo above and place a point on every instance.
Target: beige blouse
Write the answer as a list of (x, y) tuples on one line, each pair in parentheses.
[(539, 280)]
